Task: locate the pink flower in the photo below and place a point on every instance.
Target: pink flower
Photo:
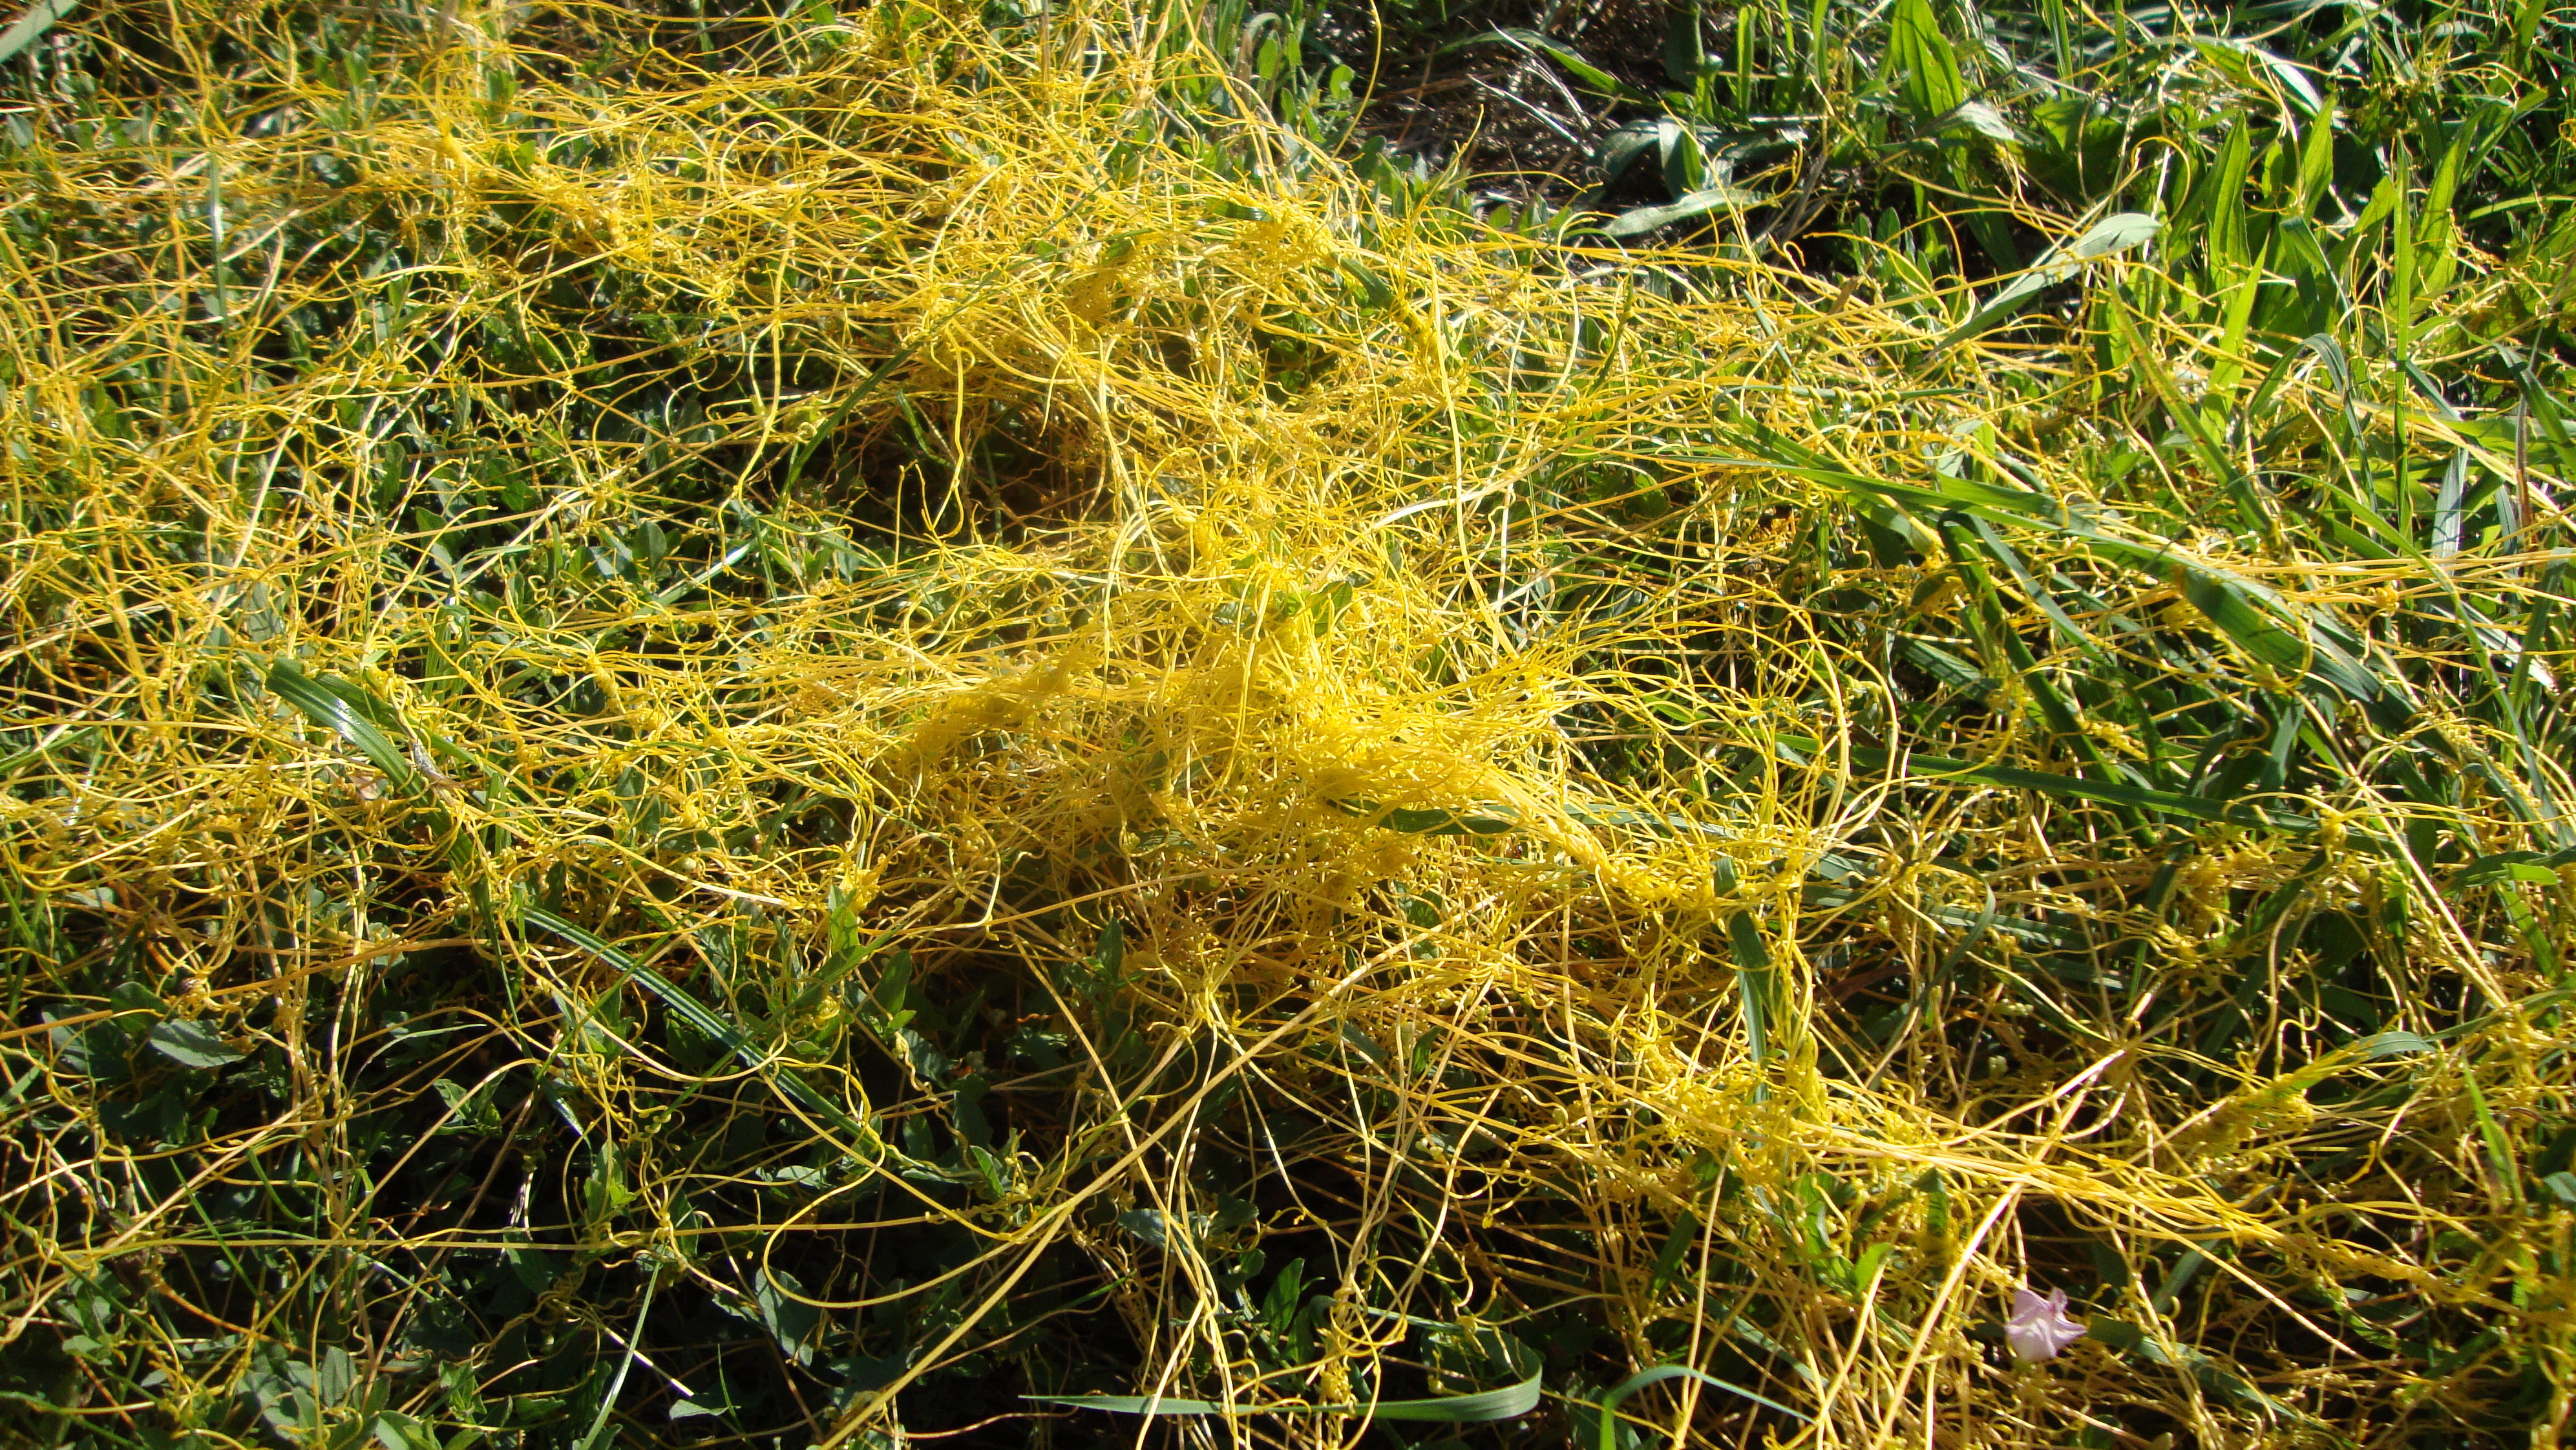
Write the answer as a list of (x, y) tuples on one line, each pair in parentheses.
[(2039, 1328)]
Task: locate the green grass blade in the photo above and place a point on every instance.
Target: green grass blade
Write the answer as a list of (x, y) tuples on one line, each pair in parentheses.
[(697, 1014), (1752, 981), (2186, 416), (1507, 1403), (1610, 1399), (2106, 238), (1532, 43), (1704, 202), (1945, 770), (342, 709)]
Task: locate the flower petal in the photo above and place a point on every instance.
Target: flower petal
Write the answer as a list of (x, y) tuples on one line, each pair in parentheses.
[(2040, 1328)]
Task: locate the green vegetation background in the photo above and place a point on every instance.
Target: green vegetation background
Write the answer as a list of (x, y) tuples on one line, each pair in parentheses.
[(775, 726)]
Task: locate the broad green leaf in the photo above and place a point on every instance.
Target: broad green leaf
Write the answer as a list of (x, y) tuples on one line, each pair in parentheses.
[(192, 1044), (1983, 119), (1752, 980), (1531, 42), (1366, 1045), (31, 26), (2316, 164), (1433, 821), (1610, 1398), (1374, 290), (335, 1374), (341, 708), (1621, 148), (2220, 204), (2226, 604), (2534, 867), (1719, 197), (1445, 823), (1476, 1349), (1147, 1224), (2113, 235), (2448, 521), (2127, 1337), (2108, 237), (1508, 1403), (1927, 68), (1685, 50), (1685, 164), (2302, 92), (133, 997)]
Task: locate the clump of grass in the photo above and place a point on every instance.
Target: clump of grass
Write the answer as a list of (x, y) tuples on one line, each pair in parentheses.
[(783, 727)]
